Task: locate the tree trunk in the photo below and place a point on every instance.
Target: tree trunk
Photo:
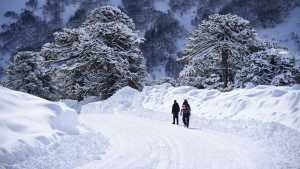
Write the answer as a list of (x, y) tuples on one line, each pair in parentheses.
[(225, 67)]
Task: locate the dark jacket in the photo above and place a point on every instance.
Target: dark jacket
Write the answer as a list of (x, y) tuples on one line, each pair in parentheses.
[(175, 108)]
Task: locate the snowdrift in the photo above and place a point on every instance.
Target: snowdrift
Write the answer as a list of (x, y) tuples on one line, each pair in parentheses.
[(27, 121), (262, 103)]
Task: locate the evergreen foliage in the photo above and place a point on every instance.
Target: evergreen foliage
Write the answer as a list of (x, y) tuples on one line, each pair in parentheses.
[(95, 59), (225, 52)]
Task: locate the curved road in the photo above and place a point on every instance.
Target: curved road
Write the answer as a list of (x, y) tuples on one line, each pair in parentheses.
[(138, 143)]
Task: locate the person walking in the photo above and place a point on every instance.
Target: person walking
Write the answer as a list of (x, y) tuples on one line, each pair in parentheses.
[(175, 111), (186, 113)]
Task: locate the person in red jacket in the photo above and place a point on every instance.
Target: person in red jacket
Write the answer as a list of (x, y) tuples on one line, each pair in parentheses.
[(186, 113)]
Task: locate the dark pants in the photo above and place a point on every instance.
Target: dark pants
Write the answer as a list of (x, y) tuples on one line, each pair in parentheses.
[(175, 117), (186, 120)]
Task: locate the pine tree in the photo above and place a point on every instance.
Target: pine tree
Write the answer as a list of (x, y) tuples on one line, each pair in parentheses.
[(96, 59), (220, 49)]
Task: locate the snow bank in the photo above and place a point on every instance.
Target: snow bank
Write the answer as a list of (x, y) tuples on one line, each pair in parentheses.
[(262, 103), (27, 121), (69, 152)]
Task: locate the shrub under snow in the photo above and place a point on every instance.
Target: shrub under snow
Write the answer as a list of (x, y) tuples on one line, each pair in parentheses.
[(95, 59)]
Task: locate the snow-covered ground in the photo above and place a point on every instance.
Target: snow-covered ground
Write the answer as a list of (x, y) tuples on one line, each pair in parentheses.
[(247, 128), (36, 133), (143, 143), (24, 117)]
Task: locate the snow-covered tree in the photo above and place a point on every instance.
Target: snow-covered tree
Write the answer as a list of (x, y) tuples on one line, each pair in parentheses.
[(271, 66), (25, 75), (214, 50), (221, 49), (95, 59)]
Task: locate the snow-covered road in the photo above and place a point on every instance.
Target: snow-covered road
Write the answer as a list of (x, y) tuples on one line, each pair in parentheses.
[(139, 143), (244, 129)]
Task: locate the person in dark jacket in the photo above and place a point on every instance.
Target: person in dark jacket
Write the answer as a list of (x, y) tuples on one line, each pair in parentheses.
[(175, 111), (186, 113)]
